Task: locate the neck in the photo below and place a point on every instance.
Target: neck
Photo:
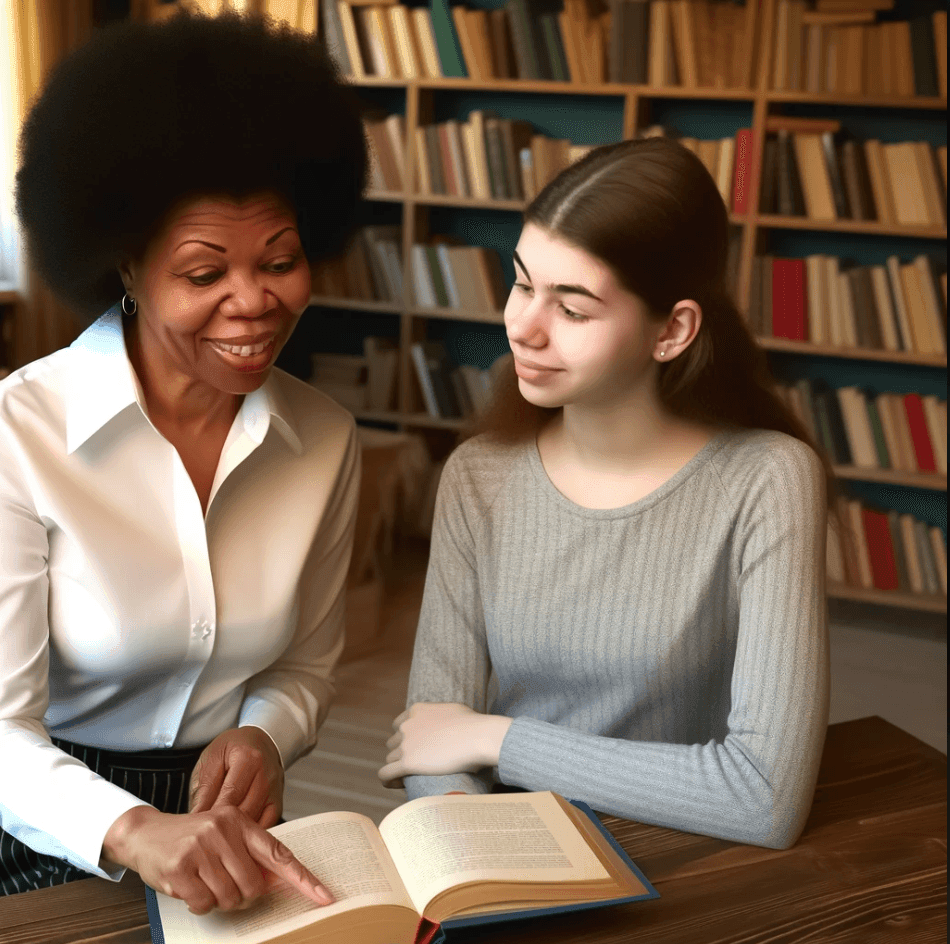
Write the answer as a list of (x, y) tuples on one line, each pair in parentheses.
[(174, 399)]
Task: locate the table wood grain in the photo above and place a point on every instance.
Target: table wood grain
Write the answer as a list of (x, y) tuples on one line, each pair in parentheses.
[(870, 867)]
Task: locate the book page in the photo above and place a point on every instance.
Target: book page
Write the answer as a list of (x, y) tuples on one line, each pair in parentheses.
[(439, 842), (344, 850)]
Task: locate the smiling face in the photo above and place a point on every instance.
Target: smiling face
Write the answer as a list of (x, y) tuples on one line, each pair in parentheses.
[(219, 291), (577, 335)]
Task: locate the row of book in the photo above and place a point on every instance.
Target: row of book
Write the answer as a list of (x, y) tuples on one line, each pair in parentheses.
[(886, 550), (812, 173), (661, 42), (900, 306), (490, 158), (456, 276), (905, 432), (847, 52), (370, 269), (367, 382), (485, 157)]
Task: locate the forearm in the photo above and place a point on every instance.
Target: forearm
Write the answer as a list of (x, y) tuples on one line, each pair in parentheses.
[(718, 789)]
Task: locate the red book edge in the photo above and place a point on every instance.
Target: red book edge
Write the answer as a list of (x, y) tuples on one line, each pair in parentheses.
[(789, 318), (426, 931), (741, 179), (880, 549), (923, 448)]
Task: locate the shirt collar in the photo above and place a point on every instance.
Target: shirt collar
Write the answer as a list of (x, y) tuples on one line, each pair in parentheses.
[(106, 385)]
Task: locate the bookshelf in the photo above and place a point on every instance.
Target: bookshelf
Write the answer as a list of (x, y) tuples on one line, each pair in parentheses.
[(609, 111), (619, 111)]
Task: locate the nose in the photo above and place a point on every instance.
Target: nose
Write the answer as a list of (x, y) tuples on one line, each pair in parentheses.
[(526, 323), (247, 296)]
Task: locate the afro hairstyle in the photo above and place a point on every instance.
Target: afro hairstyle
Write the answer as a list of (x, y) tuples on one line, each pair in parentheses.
[(145, 115)]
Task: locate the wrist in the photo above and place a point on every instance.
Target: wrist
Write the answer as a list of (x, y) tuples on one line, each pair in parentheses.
[(118, 840), (496, 727)]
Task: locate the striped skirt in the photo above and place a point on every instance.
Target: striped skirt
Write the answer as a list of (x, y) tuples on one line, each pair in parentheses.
[(159, 777)]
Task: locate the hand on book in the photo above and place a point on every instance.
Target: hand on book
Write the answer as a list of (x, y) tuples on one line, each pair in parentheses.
[(217, 859), (241, 767), (438, 739)]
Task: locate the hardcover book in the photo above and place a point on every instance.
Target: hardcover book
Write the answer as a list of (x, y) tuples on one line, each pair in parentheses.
[(433, 864)]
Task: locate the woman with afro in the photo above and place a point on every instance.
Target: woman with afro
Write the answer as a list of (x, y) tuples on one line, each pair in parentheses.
[(176, 514)]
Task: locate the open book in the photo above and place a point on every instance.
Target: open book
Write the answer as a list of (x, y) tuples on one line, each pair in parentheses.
[(436, 861)]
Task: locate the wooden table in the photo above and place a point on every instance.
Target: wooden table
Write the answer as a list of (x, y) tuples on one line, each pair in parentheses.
[(870, 867)]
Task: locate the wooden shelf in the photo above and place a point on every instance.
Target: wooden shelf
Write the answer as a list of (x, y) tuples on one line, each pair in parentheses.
[(356, 304), (858, 101), (852, 353), (409, 419), (394, 308), (868, 227), (911, 601), (934, 481)]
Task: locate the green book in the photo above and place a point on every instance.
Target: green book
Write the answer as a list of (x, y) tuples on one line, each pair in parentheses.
[(557, 59), (447, 41), (441, 295), (877, 430)]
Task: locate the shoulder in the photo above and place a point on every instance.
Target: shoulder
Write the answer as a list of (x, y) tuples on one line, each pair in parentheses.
[(36, 394), (768, 469), (319, 419), (476, 473)]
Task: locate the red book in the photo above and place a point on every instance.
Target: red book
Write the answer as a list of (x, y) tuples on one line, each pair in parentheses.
[(880, 549), (923, 448), (742, 179), (789, 318)]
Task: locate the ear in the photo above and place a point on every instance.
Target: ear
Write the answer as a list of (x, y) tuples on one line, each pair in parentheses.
[(126, 274), (678, 332)]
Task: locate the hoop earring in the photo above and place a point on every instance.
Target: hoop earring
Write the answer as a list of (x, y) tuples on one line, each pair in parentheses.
[(134, 305)]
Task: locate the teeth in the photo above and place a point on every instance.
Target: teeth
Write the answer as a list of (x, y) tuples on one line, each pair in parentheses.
[(242, 351)]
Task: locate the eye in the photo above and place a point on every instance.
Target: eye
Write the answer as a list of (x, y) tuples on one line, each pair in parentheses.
[(281, 267), (523, 287), (574, 316), (205, 279)]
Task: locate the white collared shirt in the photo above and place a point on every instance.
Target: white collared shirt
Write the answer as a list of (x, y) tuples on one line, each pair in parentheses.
[(130, 620)]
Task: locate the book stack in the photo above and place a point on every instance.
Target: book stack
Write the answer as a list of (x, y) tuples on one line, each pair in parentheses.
[(489, 158), (904, 432), (381, 38), (343, 377), (450, 392), (469, 278), (370, 269), (841, 48), (886, 550), (900, 306), (386, 137), (813, 172), (691, 43)]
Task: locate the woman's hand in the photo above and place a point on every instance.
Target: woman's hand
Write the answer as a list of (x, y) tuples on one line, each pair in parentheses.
[(218, 859), (241, 767), (435, 739)]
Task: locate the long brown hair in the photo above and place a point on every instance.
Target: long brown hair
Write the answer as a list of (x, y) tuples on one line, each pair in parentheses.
[(650, 210)]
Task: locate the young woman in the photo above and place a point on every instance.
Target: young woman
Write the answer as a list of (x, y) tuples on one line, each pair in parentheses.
[(625, 595)]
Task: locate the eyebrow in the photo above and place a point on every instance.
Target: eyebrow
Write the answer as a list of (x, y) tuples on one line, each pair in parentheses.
[(564, 289), (273, 239)]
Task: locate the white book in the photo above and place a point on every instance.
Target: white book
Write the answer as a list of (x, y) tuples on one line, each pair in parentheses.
[(857, 426), (915, 569), (927, 563), (425, 381), (890, 328), (422, 279), (448, 277), (725, 169)]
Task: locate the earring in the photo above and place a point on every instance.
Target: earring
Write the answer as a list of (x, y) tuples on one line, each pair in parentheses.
[(134, 305), (662, 353)]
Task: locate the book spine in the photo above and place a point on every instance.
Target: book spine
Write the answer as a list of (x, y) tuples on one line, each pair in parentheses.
[(923, 54), (880, 549), (522, 40), (789, 318), (425, 381), (451, 61), (916, 421), (743, 166)]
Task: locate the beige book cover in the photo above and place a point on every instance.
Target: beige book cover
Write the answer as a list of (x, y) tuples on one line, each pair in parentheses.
[(816, 182)]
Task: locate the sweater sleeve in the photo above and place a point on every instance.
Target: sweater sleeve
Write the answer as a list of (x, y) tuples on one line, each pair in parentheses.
[(756, 785), (450, 662)]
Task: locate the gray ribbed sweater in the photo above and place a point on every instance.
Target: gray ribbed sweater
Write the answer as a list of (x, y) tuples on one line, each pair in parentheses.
[(666, 662)]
